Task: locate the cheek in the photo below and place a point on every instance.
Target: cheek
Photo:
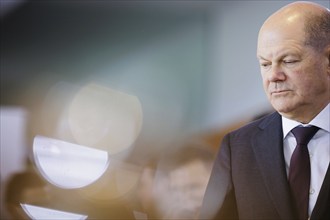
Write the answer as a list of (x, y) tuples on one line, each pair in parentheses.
[(308, 86), (265, 84)]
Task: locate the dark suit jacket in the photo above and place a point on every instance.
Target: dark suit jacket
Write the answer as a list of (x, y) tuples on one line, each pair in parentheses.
[(249, 180)]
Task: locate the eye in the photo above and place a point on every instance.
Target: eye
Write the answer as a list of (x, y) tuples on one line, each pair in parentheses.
[(290, 61), (265, 65)]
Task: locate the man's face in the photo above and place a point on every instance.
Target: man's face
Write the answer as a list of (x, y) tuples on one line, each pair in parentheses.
[(295, 76)]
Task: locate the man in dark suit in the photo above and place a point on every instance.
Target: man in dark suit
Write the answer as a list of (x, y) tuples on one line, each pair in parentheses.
[(254, 174)]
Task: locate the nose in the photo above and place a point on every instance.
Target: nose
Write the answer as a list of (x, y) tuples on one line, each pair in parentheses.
[(276, 74)]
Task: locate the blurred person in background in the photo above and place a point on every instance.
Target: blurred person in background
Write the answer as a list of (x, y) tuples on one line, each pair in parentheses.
[(174, 186), (256, 168)]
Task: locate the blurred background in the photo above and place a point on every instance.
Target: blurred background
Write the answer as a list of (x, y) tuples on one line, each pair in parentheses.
[(186, 70)]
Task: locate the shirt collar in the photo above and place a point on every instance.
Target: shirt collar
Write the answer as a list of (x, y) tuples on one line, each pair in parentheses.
[(321, 121)]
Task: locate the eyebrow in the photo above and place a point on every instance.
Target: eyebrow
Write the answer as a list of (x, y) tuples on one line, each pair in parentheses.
[(286, 54), (261, 58)]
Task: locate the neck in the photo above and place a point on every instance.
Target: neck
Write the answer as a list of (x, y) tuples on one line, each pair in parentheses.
[(306, 115)]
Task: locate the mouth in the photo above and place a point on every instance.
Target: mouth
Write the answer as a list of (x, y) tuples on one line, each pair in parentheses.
[(278, 92)]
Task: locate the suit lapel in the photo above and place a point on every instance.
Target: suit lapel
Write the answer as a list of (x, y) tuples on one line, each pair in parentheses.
[(268, 149), (321, 209)]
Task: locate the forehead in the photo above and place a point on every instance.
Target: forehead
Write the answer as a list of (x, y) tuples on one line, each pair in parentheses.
[(284, 29), (285, 48), (277, 41)]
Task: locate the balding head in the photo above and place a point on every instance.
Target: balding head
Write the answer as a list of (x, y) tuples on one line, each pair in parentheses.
[(306, 18)]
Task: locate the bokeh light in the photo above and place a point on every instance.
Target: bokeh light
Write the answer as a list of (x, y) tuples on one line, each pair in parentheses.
[(104, 118)]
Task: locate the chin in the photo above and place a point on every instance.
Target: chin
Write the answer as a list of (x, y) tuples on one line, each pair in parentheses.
[(283, 109)]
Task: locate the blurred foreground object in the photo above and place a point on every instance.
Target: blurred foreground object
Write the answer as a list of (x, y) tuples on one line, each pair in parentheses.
[(91, 115), (174, 189), (35, 212), (105, 118), (13, 146), (68, 165)]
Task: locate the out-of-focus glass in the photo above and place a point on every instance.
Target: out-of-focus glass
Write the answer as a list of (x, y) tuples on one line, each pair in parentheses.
[(36, 212), (68, 165), (91, 115), (119, 180), (104, 118)]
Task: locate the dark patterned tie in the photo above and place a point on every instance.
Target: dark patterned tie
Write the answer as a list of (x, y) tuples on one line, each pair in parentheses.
[(300, 170)]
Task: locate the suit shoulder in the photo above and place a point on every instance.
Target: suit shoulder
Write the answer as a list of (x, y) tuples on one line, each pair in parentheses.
[(255, 125)]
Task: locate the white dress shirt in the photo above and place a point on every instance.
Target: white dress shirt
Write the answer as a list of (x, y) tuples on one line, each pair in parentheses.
[(318, 147)]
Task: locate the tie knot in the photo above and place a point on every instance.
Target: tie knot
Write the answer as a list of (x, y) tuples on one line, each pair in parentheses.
[(304, 134)]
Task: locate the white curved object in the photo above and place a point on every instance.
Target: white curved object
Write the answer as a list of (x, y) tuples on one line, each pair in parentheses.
[(36, 213), (68, 165)]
